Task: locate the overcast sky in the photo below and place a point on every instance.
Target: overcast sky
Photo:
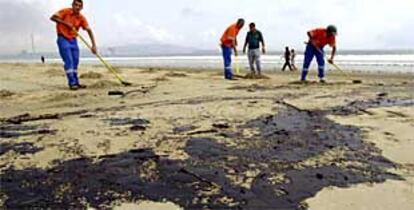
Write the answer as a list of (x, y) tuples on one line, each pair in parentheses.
[(363, 24)]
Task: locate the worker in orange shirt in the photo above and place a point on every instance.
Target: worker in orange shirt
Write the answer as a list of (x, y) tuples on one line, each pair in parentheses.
[(318, 39), (68, 21), (229, 43)]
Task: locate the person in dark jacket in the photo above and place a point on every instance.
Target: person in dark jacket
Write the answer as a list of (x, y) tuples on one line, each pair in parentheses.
[(287, 60), (253, 40)]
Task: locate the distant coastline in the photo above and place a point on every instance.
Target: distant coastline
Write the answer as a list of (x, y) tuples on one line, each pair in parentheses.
[(149, 50), (358, 61)]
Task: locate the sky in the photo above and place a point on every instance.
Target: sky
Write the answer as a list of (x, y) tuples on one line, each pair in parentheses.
[(362, 24)]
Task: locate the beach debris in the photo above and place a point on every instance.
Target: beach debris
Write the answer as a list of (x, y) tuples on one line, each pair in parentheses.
[(307, 82), (28, 118), (144, 153), (6, 93), (15, 131), (388, 133), (255, 87), (382, 94), (319, 176), (221, 125), (398, 114), (142, 90), (362, 106), (203, 132), (366, 111), (91, 75), (115, 93), (87, 116), (281, 132), (201, 179), (125, 83), (136, 124), (138, 128), (184, 129), (127, 121), (23, 148), (17, 127), (357, 81), (282, 102)]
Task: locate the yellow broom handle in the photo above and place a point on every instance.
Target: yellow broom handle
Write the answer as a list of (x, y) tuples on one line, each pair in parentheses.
[(237, 64), (109, 67), (333, 64)]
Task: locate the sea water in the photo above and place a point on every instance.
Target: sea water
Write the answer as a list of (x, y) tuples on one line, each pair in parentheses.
[(370, 63)]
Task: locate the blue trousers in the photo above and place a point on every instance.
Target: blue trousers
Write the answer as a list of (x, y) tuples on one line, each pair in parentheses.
[(69, 51), (227, 52), (310, 52)]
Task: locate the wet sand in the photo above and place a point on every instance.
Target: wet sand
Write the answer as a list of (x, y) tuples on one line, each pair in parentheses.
[(190, 140)]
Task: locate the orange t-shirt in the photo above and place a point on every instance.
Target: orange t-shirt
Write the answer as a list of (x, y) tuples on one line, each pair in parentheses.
[(229, 35), (321, 39), (76, 20)]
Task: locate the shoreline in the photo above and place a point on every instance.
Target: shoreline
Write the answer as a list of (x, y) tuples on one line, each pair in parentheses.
[(359, 63), (245, 70)]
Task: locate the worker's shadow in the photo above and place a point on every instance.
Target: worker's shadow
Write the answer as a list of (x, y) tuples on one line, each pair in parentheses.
[(289, 160)]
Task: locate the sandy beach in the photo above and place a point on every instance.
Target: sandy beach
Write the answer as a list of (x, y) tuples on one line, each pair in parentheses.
[(187, 139)]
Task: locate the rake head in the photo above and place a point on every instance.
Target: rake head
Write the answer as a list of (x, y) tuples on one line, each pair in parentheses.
[(125, 83)]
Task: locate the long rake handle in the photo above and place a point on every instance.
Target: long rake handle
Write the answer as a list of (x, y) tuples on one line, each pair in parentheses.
[(236, 62), (333, 64), (107, 65), (340, 69)]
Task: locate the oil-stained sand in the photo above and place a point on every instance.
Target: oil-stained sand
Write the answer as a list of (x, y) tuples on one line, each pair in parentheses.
[(199, 142)]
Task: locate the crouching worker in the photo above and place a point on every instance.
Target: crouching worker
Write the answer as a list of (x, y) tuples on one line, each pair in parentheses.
[(68, 22), (229, 43), (318, 39)]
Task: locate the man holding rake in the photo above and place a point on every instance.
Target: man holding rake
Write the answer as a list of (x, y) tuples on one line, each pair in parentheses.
[(318, 39), (68, 22)]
